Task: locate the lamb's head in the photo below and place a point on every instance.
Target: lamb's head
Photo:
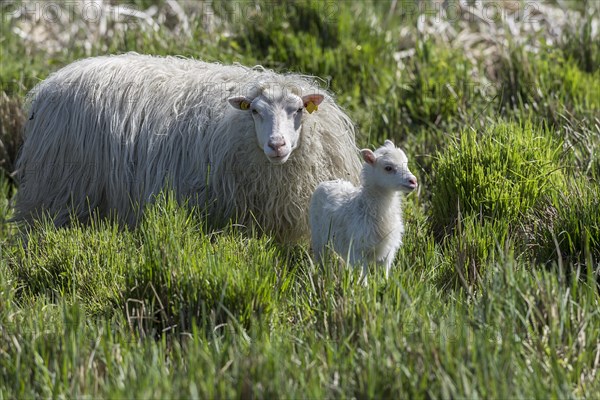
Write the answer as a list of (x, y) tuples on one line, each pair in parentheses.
[(277, 118), (387, 168)]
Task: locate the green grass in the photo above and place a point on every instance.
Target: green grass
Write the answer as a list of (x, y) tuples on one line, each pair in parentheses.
[(324, 336), (568, 225), (494, 294)]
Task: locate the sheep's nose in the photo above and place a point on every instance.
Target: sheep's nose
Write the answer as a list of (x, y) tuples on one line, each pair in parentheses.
[(276, 144), (413, 181)]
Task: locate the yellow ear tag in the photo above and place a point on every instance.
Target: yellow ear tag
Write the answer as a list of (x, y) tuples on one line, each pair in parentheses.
[(244, 105), (311, 107)]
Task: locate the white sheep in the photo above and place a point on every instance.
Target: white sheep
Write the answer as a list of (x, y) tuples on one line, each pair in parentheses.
[(363, 224), (109, 133)]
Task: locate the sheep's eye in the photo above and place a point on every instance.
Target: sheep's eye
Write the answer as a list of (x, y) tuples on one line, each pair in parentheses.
[(300, 110), (254, 111), (389, 168)]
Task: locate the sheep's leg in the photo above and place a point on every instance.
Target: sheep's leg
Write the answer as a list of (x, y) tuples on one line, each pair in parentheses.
[(364, 272), (317, 255), (318, 248)]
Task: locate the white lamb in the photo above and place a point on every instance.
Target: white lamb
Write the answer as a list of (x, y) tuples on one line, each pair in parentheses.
[(364, 224), (243, 144)]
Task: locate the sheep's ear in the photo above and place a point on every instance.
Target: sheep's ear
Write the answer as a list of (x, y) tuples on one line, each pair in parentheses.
[(368, 156), (240, 102), (312, 101), (389, 143)]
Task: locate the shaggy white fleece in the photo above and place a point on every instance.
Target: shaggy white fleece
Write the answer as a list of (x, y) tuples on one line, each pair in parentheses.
[(109, 133)]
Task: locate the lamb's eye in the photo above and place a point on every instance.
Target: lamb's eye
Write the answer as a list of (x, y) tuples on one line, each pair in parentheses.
[(388, 168), (300, 110), (254, 111)]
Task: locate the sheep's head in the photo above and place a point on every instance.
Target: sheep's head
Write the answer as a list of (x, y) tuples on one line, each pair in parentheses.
[(277, 118), (387, 167)]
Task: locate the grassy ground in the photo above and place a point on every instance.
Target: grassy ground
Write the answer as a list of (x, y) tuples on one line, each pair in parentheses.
[(494, 293)]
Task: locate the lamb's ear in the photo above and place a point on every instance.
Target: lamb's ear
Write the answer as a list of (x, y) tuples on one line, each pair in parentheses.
[(389, 143), (368, 156), (240, 102), (311, 102)]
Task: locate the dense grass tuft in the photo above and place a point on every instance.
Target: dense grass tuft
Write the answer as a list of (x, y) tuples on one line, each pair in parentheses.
[(569, 228), (83, 263), (183, 275), (498, 174)]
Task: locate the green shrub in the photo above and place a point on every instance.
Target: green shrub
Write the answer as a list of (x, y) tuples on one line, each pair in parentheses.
[(499, 174)]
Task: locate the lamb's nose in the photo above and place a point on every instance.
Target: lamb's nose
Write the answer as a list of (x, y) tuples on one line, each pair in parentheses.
[(413, 181)]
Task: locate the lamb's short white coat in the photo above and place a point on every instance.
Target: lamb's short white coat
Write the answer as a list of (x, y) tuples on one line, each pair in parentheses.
[(363, 224)]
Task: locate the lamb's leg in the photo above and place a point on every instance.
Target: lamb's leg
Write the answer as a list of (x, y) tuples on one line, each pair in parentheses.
[(388, 261)]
